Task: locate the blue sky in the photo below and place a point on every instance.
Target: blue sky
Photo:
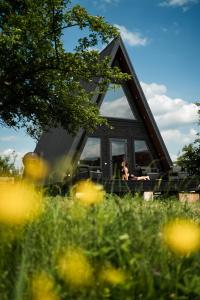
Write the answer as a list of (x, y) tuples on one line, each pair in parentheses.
[(162, 38)]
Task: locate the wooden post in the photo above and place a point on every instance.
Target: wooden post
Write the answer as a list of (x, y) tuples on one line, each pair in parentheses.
[(148, 196), (190, 197)]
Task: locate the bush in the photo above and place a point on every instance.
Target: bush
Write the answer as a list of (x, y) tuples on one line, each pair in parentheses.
[(7, 166)]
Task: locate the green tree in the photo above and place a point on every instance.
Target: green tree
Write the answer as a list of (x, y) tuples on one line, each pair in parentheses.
[(7, 165), (41, 84), (190, 156)]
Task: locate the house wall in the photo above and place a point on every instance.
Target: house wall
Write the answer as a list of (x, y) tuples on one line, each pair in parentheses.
[(122, 129), (58, 143)]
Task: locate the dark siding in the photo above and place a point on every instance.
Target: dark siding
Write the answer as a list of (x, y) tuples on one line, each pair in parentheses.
[(54, 144), (122, 129)]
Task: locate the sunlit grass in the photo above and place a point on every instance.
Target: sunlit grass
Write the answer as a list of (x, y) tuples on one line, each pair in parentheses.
[(112, 275), (117, 248)]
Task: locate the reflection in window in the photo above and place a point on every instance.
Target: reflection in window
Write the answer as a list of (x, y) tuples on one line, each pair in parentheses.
[(142, 153), (91, 153), (115, 104), (119, 154)]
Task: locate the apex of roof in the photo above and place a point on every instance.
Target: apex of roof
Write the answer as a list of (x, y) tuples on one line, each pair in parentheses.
[(108, 50)]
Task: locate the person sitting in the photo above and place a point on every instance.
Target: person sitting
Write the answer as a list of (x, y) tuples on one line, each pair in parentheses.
[(125, 173), (133, 177)]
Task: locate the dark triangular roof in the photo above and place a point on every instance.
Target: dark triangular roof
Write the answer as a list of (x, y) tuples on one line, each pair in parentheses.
[(57, 142), (119, 51)]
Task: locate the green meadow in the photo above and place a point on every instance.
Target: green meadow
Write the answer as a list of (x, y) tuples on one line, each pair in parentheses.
[(121, 234)]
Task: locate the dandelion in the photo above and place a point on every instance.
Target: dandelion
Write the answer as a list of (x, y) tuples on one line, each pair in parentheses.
[(182, 236), (88, 193), (36, 168), (19, 203), (112, 275), (74, 268), (43, 287)]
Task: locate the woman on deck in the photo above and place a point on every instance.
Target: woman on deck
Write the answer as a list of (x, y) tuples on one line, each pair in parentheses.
[(125, 173)]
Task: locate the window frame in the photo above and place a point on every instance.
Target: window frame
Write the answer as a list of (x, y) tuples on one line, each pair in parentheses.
[(149, 151), (110, 152), (124, 88), (100, 153)]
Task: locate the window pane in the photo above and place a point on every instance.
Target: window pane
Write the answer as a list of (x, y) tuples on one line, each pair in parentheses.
[(118, 153), (115, 104), (142, 153), (91, 152)]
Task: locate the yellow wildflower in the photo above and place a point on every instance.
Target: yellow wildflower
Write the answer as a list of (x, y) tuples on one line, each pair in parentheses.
[(88, 193), (19, 203), (43, 288), (112, 275), (75, 268), (182, 236), (36, 168)]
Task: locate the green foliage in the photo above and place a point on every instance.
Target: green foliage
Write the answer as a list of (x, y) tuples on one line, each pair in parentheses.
[(7, 166), (125, 232), (190, 157), (40, 83)]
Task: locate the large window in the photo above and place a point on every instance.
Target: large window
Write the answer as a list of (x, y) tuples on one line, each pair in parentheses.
[(118, 155), (115, 104), (91, 153), (142, 154)]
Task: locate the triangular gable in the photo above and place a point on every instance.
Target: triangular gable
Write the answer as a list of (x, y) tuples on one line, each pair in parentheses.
[(115, 100), (116, 52)]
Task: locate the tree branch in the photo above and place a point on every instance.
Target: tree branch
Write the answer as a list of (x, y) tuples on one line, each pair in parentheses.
[(54, 33)]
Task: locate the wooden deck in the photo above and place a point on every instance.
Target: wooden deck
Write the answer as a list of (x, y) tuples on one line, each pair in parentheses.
[(158, 185), (175, 186)]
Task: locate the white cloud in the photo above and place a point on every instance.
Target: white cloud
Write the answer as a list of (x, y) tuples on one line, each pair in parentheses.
[(172, 135), (120, 105), (185, 4), (175, 117), (175, 139), (9, 138), (7, 152), (110, 1), (15, 155), (153, 89), (169, 112), (132, 38), (103, 4)]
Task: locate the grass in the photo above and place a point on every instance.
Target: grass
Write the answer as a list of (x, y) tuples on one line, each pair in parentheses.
[(122, 232)]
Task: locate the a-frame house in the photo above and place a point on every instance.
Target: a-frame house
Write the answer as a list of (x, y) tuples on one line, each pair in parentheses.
[(133, 134)]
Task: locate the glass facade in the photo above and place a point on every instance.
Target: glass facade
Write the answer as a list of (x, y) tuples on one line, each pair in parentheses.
[(118, 154), (91, 154), (115, 104), (143, 156)]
